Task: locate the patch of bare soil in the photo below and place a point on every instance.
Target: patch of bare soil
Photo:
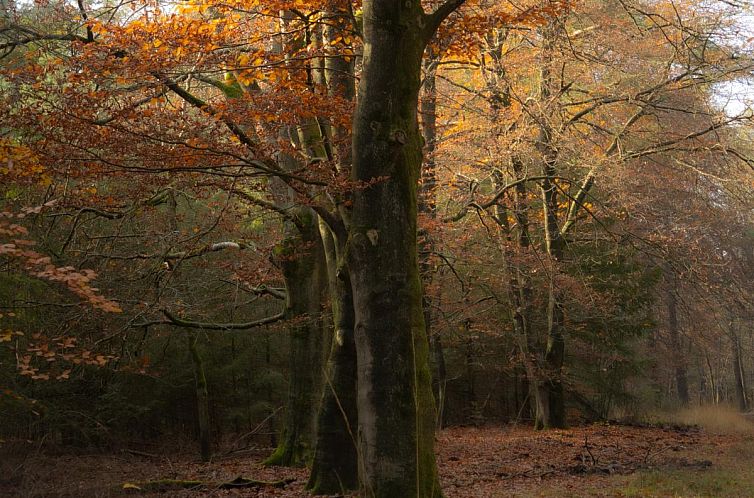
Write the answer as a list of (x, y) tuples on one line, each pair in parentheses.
[(474, 463)]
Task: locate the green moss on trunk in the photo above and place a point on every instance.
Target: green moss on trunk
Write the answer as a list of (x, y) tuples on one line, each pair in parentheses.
[(334, 469), (395, 402), (301, 259)]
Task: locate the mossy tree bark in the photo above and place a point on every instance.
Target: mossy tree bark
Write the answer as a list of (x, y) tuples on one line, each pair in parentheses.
[(395, 402), (335, 464), (301, 257), (302, 261), (335, 468)]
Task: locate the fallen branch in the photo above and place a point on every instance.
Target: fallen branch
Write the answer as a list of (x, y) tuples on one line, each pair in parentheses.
[(166, 485), (141, 453), (163, 485), (253, 432), (240, 482)]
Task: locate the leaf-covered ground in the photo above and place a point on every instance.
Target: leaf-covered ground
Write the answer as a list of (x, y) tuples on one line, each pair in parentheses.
[(598, 460)]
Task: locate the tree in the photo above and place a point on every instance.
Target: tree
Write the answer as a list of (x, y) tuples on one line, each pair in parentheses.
[(395, 404), (574, 106)]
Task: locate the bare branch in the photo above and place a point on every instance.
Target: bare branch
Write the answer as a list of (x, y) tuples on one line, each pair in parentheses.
[(190, 324), (495, 197)]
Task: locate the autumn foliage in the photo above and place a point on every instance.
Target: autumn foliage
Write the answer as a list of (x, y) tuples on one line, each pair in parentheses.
[(177, 239)]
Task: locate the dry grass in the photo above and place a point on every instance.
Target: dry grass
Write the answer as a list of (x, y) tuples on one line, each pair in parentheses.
[(719, 419)]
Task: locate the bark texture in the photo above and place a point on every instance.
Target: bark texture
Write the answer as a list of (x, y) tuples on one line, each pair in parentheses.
[(301, 258), (335, 468), (428, 209), (395, 402)]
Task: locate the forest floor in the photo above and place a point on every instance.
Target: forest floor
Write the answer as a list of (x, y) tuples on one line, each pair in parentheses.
[(596, 460)]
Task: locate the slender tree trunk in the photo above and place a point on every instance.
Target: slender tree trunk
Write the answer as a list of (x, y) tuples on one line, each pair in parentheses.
[(550, 399), (550, 396), (681, 379), (395, 402), (335, 465), (440, 380), (271, 422), (714, 394), (472, 409), (202, 400), (427, 202), (703, 388), (519, 283), (738, 371)]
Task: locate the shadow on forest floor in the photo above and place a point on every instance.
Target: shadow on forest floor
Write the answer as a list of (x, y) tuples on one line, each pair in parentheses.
[(596, 460)]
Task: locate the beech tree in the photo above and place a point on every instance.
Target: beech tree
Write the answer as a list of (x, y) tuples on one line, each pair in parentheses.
[(396, 406), (395, 417)]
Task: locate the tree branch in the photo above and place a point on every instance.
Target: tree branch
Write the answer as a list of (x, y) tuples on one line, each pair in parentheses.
[(668, 144), (85, 17), (190, 324), (46, 37), (438, 16), (208, 109), (493, 200)]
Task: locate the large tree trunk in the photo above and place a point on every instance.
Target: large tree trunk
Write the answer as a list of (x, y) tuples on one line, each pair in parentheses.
[(395, 402), (301, 258)]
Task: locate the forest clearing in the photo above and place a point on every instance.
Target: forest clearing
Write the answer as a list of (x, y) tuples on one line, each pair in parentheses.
[(603, 460), (376, 248)]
